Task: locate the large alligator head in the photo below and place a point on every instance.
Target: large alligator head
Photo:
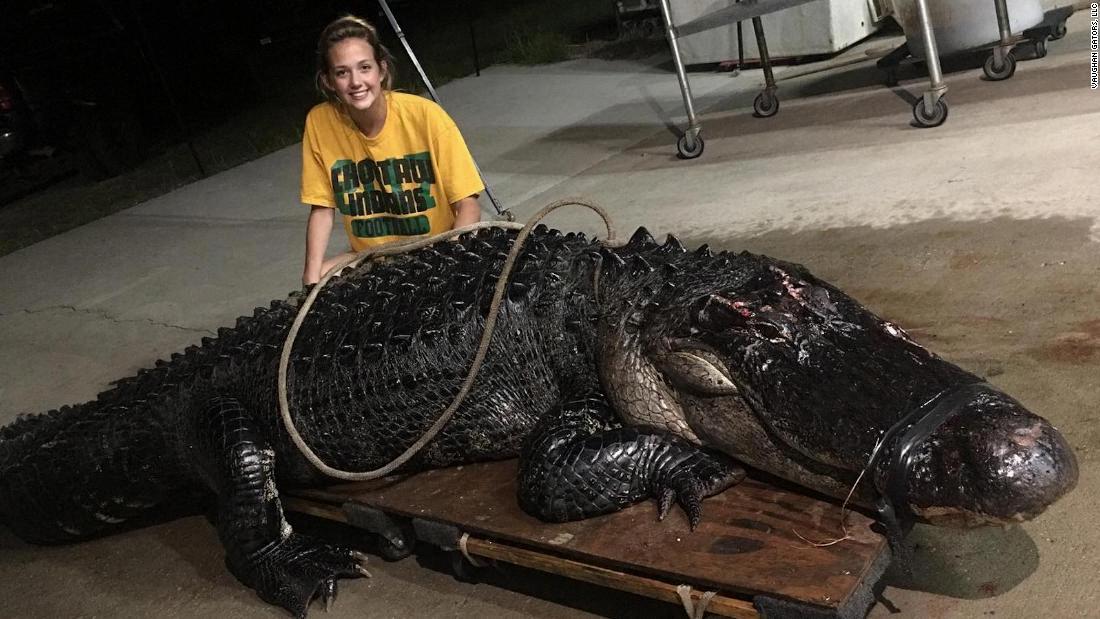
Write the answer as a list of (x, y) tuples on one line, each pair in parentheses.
[(759, 359)]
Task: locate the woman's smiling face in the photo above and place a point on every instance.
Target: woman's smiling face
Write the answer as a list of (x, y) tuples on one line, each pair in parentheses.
[(354, 74)]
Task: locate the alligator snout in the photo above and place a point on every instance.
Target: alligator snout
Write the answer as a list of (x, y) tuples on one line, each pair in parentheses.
[(993, 461)]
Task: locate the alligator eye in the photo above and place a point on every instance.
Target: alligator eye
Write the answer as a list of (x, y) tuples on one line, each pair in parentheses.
[(718, 313), (696, 371), (766, 330)]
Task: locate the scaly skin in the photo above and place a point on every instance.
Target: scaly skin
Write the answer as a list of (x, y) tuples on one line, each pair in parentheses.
[(608, 395)]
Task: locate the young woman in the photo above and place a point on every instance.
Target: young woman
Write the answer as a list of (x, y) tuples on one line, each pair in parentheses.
[(393, 164)]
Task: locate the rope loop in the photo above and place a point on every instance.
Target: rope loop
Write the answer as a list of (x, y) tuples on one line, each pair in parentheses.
[(483, 348)]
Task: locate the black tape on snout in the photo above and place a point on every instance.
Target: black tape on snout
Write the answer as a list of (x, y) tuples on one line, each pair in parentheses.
[(938, 411), (914, 428)]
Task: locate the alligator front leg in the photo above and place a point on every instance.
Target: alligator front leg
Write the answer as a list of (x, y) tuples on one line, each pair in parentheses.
[(578, 465), (262, 551)]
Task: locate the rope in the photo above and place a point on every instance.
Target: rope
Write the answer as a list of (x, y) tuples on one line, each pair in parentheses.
[(466, 553), (479, 357), (693, 611)]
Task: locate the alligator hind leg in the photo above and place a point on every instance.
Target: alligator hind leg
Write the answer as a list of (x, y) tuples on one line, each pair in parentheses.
[(262, 551), (578, 464)]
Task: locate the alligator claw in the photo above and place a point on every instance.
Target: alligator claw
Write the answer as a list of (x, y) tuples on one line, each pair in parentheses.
[(692, 504), (328, 593), (694, 479), (664, 502), (688, 494), (298, 570)]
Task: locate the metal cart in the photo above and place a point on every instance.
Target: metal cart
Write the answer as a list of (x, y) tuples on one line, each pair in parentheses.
[(1001, 62), (929, 111)]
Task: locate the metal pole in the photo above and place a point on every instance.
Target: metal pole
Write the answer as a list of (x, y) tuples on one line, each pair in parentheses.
[(473, 44), (145, 48), (1005, 30), (1002, 22), (740, 49), (431, 91), (931, 57), (765, 59), (681, 75)]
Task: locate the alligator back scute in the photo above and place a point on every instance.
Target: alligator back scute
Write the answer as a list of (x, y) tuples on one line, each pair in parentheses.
[(387, 348)]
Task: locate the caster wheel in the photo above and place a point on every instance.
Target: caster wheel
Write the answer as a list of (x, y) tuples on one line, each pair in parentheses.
[(1040, 48), (1058, 31), (398, 542), (765, 105), (1006, 70), (462, 570), (694, 151), (931, 119), (891, 79)]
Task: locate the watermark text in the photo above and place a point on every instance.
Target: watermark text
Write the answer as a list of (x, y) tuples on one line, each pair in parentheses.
[(1094, 44)]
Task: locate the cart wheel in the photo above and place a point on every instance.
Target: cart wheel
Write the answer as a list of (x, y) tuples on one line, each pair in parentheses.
[(689, 153), (1006, 70), (891, 78), (765, 105), (1040, 48), (935, 118), (1058, 31)]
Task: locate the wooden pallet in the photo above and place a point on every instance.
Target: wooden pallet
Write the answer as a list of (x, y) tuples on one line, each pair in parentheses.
[(748, 549)]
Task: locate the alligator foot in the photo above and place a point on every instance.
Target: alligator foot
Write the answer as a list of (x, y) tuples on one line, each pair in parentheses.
[(284, 567), (294, 571), (575, 467), (693, 479)]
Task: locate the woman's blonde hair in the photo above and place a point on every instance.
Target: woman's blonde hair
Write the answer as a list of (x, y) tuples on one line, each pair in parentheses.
[(346, 27)]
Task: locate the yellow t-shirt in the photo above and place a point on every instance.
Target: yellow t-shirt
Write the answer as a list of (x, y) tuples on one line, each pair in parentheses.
[(396, 185)]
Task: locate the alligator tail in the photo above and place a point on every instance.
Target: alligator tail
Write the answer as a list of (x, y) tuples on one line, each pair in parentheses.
[(117, 463), (86, 471)]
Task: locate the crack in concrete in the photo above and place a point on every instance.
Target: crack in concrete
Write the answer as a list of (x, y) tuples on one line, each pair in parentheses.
[(106, 316)]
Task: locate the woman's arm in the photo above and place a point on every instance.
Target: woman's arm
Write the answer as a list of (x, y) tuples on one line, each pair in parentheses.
[(467, 211), (318, 230)]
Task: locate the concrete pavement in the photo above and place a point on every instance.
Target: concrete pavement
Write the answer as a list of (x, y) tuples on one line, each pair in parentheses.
[(980, 236)]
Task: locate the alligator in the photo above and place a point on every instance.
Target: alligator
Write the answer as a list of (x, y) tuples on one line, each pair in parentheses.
[(615, 375)]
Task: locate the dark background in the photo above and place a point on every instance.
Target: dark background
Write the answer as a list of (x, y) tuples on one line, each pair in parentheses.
[(118, 80), (139, 74)]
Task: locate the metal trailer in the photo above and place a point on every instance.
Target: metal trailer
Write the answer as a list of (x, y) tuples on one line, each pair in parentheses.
[(501, 211), (929, 111)]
